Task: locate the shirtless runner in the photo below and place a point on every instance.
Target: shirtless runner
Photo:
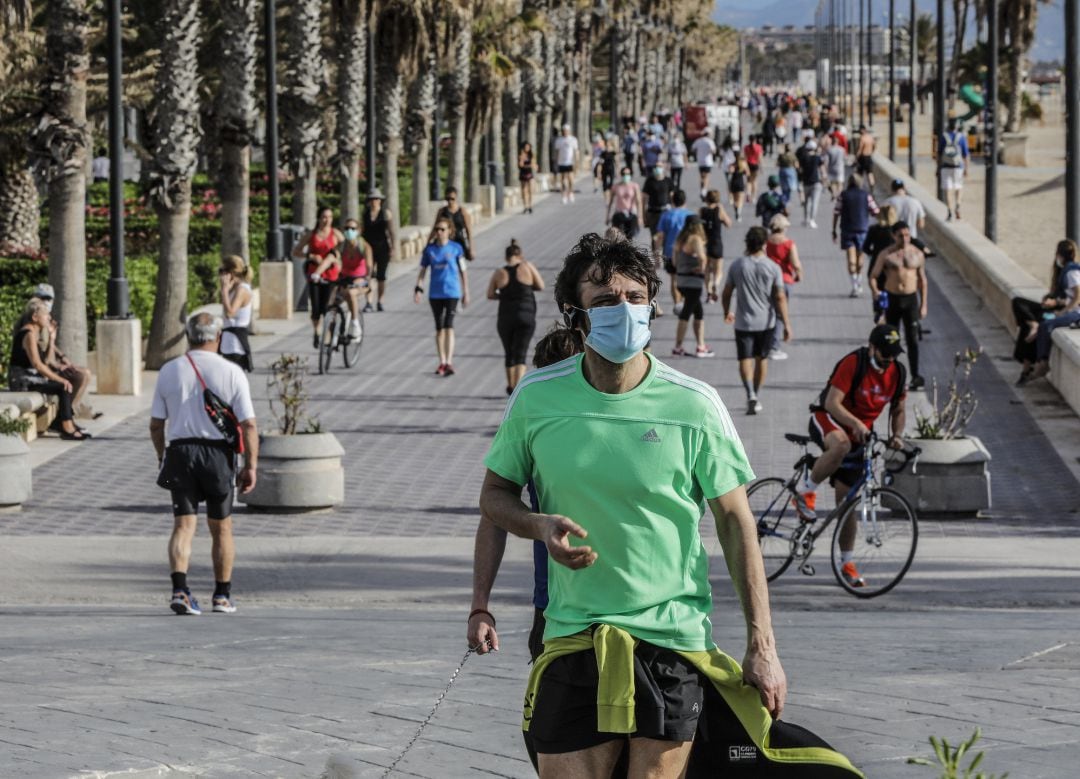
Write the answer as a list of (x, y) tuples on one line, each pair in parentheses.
[(626, 202), (864, 157), (904, 266)]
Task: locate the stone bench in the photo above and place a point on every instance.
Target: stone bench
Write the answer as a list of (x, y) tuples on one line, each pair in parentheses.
[(38, 408), (992, 275)]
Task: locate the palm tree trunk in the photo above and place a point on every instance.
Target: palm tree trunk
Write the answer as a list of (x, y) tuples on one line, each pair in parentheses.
[(64, 144), (351, 43), (350, 189), (421, 181), (176, 136), (166, 328), (304, 77), (236, 110), (456, 93), (391, 153), (20, 218), (235, 206), (543, 141), (456, 172), (473, 178)]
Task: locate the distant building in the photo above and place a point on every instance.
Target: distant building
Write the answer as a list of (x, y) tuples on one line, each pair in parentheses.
[(772, 38)]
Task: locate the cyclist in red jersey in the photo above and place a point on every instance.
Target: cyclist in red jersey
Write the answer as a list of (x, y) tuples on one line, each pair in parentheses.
[(842, 419), (320, 246)]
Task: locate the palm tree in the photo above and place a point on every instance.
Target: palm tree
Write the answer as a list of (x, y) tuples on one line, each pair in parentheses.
[(420, 116), (459, 14), (401, 46), (350, 40), (176, 135), (19, 58), (1020, 18), (236, 120), (305, 73), (60, 142)]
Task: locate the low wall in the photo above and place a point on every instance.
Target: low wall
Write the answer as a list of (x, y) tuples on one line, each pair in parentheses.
[(991, 273)]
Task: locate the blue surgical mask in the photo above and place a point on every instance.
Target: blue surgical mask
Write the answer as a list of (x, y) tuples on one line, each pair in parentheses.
[(351, 233), (619, 333)]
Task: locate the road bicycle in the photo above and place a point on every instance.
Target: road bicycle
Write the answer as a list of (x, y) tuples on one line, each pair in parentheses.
[(873, 520), (335, 330)]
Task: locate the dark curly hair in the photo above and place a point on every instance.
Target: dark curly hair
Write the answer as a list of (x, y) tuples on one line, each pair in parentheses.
[(557, 345), (598, 259)]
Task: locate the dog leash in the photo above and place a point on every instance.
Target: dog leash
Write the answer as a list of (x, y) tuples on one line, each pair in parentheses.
[(429, 717)]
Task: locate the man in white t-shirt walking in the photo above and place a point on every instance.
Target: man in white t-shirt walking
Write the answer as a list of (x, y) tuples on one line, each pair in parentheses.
[(705, 153), (196, 464), (566, 158)]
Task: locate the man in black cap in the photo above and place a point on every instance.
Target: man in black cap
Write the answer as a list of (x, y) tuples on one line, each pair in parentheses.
[(861, 385)]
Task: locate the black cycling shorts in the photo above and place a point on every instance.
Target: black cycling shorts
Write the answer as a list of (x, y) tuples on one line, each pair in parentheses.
[(196, 471), (668, 693), (444, 310), (753, 343)]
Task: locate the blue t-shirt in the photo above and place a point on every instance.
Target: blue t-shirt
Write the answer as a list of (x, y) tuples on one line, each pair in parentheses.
[(960, 140), (445, 263), (650, 151), (540, 557), (671, 224)]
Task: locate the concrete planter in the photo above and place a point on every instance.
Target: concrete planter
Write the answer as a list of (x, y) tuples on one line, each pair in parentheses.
[(15, 473), (951, 477), (298, 473)]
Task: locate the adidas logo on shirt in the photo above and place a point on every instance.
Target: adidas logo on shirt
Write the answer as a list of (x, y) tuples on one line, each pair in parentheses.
[(651, 437)]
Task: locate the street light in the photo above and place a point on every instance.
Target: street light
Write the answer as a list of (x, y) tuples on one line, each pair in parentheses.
[(913, 44), (990, 209), (1072, 130), (117, 287), (939, 96), (892, 80)]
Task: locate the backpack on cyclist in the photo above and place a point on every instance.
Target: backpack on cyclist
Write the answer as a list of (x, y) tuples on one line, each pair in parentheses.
[(862, 365), (950, 151)]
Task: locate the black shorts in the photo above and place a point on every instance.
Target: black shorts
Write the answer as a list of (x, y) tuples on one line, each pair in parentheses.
[(515, 334), (669, 266), (627, 223), (705, 168), (444, 310), (345, 282), (753, 168), (669, 694), (753, 343), (566, 169), (197, 471), (381, 254), (851, 467), (864, 163)]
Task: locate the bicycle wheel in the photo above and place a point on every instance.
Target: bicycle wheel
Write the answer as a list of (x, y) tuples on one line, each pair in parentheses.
[(332, 322), (350, 344), (774, 512), (882, 533)]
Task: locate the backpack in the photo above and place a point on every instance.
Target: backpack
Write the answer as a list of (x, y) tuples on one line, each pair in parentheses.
[(862, 365), (221, 414), (950, 151)]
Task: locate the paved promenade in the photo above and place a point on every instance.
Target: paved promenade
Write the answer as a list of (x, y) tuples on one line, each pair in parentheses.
[(352, 621)]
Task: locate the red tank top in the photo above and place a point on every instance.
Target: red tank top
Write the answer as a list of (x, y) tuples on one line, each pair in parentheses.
[(320, 247), (353, 261), (780, 253)]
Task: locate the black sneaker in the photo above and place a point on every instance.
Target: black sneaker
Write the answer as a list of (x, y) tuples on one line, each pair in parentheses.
[(183, 602), (379, 307), (917, 382)]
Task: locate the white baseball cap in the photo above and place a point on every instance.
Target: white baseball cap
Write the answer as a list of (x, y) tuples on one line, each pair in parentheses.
[(44, 291)]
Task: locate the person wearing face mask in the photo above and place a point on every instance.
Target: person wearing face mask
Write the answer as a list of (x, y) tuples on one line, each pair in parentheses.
[(623, 451), (626, 202), (357, 258), (860, 387)]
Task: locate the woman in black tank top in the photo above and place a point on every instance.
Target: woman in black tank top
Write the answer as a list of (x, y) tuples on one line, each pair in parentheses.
[(514, 285), (457, 216), (378, 232)]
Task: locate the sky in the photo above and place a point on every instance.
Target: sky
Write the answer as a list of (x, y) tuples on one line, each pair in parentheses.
[(1049, 38)]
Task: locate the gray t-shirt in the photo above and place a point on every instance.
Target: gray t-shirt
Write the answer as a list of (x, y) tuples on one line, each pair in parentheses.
[(908, 209), (836, 163), (754, 278)]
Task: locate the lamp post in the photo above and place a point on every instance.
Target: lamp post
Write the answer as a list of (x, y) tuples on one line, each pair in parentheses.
[(870, 62), (436, 172), (1072, 130), (990, 210), (913, 45), (892, 80), (117, 288), (274, 250), (939, 96), (613, 75), (862, 63)]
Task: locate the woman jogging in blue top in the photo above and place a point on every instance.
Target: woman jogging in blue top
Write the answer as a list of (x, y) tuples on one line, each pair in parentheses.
[(449, 284)]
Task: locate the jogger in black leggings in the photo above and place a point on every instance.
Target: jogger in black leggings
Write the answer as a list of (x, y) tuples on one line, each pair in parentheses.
[(905, 308), (514, 285)]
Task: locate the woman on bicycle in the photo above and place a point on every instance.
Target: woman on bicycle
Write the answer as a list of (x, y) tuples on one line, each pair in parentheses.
[(236, 297), (514, 285), (356, 261), (449, 284), (320, 246)]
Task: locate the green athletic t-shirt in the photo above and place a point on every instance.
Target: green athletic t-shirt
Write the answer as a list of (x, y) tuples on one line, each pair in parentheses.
[(633, 470)]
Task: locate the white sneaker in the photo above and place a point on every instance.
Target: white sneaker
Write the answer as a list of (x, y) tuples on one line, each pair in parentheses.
[(813, 225), (564, 200), (778, 354), (354, 329), (571, 197), (753, 406)]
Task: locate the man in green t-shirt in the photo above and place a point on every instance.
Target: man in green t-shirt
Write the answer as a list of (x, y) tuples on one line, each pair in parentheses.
[(623, 452)]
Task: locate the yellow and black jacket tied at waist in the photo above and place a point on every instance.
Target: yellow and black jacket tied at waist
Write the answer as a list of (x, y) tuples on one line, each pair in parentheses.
[(736, 735)]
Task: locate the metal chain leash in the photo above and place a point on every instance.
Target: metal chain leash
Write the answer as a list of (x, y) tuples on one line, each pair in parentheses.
[(428, 718)]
